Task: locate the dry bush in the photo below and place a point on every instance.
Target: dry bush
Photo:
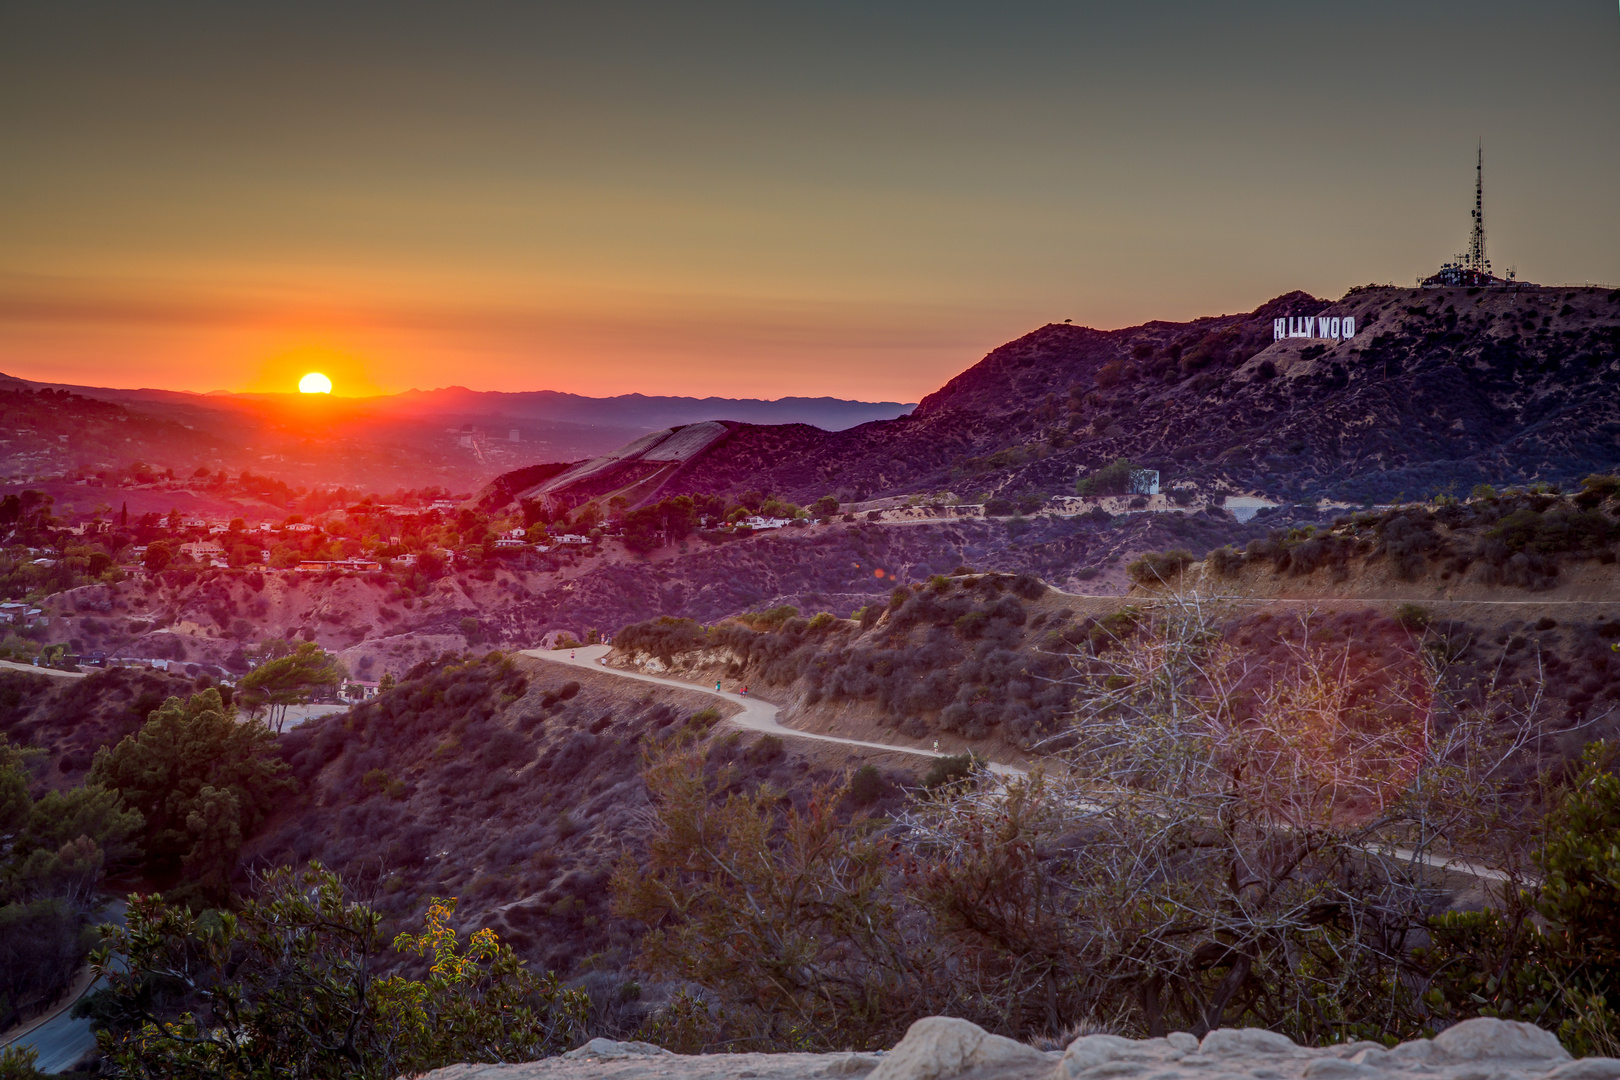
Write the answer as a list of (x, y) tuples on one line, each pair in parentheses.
[(1235, 836), (1231, 842), (786, 916)]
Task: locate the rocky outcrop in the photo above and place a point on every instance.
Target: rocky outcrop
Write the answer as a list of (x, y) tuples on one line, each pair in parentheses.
[(942, 1048)]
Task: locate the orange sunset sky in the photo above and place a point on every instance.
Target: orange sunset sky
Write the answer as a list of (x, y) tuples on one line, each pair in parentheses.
[(754, 200)]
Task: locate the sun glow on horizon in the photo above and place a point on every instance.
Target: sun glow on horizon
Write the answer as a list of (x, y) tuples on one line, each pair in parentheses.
[(314, 383)]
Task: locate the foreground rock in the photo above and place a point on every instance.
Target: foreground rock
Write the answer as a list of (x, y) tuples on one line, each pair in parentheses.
[(942, 1048)]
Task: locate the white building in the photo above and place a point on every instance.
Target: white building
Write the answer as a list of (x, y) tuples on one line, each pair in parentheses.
[(202, 550)]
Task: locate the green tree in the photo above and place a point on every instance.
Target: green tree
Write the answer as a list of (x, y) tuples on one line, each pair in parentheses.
[(19, 1063), (1550, 954), (52, 853), (202, 781), (289, 987), (288, 680), (56, 845), (158, 556)]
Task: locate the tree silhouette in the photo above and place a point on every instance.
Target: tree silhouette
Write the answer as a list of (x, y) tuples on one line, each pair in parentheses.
[(290, 680)]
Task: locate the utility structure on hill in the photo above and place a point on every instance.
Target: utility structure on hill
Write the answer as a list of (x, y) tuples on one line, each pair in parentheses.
[(1472, 268)]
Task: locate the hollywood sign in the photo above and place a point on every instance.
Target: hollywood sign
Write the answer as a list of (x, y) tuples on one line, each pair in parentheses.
[(1335, 328)]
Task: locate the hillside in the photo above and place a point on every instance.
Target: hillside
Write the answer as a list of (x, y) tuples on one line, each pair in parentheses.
[(70, 719), (1513, 594), (511, 784), (1520, 588), (380, 622), (1513, 547), (1438, 390)]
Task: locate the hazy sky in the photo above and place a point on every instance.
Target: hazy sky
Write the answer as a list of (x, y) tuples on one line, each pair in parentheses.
[(755, 199)]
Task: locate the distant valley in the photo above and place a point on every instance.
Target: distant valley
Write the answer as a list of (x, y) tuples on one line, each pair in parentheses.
[(453, 439)]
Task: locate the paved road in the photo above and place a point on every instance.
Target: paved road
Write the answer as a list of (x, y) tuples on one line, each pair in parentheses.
[(760, 715), (60, 1039), (756, 715), (298, 714)]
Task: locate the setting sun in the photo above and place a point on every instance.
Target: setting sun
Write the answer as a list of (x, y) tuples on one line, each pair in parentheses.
[(314, 383)]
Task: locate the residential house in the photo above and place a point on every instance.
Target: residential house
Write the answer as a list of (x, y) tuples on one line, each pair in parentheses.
[(349, 565), (203, 551), (355, 690)]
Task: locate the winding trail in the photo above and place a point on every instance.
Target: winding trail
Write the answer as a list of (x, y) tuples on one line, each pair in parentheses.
[(757, 715)]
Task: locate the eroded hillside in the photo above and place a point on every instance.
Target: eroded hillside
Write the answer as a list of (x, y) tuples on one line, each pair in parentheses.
[(1511, 598), (512, 784), (70, 719), (211, 618), (1518, 547)]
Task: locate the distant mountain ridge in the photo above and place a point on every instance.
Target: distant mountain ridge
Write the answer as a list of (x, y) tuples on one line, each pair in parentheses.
[(455, 437), (831, 414), (622, 410)]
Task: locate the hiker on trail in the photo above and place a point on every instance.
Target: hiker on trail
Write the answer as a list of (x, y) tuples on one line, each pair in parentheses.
[(717, 686), (570, 654), (745, 691)]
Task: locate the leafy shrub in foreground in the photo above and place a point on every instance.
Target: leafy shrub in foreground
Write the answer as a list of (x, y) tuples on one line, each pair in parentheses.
[(1554, 531), (19, 1063), (287, 987), (1595, 489), (1551, 955)]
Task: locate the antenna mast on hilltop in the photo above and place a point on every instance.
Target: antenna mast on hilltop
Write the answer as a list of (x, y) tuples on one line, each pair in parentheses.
[(1475, 259), (1472, 268)]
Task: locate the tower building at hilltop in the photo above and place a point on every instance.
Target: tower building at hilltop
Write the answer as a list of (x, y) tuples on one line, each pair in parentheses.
[(1472, 268)]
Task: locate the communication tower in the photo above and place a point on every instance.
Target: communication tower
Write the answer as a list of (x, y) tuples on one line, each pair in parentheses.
[(1475, 260), (1472, 268)]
